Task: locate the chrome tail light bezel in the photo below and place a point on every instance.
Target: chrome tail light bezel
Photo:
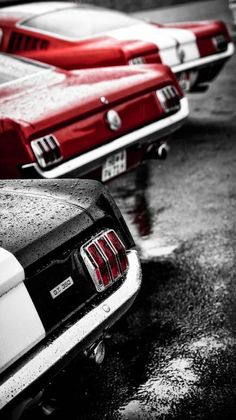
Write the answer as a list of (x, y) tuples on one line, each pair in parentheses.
[(136, 61), (169, 99), (92, 265), (47, 151)]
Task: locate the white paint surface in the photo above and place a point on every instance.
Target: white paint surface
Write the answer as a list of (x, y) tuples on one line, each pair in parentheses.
[(20, 325), (186, 40), (165, 39), (148, 33), (12, 273)]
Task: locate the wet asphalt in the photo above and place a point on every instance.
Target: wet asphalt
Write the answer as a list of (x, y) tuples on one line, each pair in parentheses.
[(174, 355)]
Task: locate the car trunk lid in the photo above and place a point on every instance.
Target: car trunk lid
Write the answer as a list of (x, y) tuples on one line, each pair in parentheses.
[(75, 110), (52, 231)]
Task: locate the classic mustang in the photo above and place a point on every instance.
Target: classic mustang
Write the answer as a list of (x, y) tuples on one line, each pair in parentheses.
[(57, 123), (69, 271), (73, 36)]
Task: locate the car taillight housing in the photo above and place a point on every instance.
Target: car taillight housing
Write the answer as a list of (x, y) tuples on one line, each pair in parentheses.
[(169, 99), (137, 60), (1, 36), (220, 43), (47, 151), (105, 259)]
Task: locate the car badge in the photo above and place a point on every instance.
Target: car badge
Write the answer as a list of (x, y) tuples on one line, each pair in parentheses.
[(181, 54), (113, 120)]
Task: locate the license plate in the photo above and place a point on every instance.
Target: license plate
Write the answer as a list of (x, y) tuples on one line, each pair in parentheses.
[(114, 165)]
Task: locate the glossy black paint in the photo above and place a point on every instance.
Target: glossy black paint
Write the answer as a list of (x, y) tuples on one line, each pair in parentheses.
[(39, 217)]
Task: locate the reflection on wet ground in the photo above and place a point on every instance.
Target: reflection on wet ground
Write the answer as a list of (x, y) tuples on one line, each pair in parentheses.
[(134, 200), (141, 212)]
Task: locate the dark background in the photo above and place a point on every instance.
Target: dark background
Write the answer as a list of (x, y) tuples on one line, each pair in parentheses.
[(133, 5), (125, 5)]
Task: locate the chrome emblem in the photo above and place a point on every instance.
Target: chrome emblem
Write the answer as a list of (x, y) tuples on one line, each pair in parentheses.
[(104, 100), (61, 288), (113, 120)]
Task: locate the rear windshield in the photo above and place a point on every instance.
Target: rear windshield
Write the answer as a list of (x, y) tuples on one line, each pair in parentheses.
[(12, 68), (80, 22)]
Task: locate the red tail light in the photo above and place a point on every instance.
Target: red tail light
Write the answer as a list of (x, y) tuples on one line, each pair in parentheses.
[(105, 258), (110, 254), (220, 43), (116, 242), (102, 267), (47, 151), (169, 99)]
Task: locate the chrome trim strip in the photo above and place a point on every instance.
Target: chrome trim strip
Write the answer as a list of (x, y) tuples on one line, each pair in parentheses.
[(87, 328), (204, 60), (94, 158)]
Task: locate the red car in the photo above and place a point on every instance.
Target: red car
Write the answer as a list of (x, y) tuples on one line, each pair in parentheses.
[(73, 36), (56, 123)]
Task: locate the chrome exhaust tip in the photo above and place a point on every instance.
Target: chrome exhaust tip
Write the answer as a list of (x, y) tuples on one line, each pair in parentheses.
[(96, 352), (162, 151), (159, 151)]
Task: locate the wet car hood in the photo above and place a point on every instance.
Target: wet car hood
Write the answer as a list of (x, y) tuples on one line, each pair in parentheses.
[(39, 216)]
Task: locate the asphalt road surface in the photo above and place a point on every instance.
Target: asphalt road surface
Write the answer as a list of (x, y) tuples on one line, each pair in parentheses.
[(174, 355)]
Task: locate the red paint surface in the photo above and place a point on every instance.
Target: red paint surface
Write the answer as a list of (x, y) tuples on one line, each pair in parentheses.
[(68, 105), (204, 32), (97, 51)]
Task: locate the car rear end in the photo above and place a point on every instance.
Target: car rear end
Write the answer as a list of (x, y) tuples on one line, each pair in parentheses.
[(73, 280), (104, 133), (213, 44)]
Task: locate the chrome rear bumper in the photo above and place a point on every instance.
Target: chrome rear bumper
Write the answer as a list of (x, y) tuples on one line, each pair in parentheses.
[(204, 61), (93, 159), (76, 338)]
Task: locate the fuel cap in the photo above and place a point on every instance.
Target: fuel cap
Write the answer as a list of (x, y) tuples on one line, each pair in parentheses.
[(113, 120)]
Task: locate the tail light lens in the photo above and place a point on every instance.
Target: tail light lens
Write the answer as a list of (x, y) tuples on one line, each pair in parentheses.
[(105, 258), (169, 99), (220, 43), (119, 247), (47, 151), (1, 36)]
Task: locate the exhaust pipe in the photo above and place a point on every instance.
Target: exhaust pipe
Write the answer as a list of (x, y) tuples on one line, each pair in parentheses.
[(162, 151), (157, 151), (96, 352)]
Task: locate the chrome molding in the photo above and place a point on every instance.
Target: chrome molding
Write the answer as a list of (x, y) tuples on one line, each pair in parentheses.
[(204, 60)]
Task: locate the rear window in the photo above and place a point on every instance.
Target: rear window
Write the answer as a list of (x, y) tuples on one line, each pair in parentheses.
[(12, 68), (79, 22)]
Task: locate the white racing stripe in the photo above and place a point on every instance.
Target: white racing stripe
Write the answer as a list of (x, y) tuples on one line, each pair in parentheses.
[(20, 325), (187, 41), (145, 32), (166, 40), (12, 273)]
